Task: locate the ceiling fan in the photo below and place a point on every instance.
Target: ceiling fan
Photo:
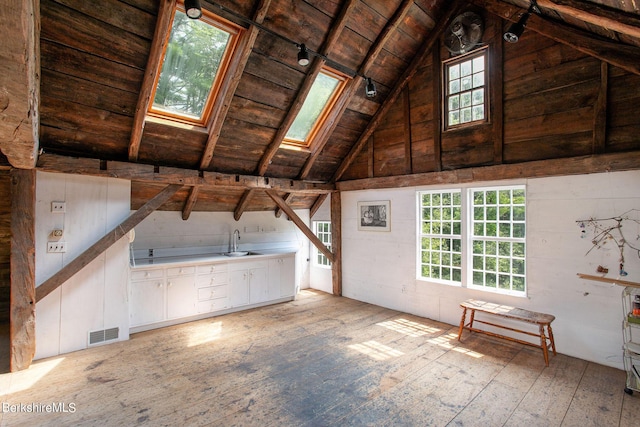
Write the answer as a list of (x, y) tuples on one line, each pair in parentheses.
[(464, 33)]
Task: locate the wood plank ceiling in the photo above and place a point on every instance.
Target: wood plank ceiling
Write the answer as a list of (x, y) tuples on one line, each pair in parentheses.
[(95, 73)]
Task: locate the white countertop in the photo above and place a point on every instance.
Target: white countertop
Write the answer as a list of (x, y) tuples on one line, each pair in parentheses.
[(211, 257)]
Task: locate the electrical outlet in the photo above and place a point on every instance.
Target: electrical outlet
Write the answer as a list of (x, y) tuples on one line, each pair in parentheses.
[(56, 247), (58, 207)]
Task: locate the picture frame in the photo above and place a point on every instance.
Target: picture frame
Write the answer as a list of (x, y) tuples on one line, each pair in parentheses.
[(374, 215)]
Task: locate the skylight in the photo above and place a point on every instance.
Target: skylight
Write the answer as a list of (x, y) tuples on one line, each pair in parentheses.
[(323, 94), (193, 64)]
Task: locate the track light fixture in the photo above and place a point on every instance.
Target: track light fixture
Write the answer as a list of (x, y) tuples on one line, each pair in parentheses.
[(303, 55), (370, 89), (512, 35), (193, 9)]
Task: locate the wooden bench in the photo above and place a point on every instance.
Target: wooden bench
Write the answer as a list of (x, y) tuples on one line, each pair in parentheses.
[(508, 312)]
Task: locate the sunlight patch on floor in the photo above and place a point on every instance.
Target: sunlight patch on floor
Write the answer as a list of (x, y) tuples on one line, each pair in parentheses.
[(445, 342), (375, 350), (204, 335), (23, 380), (408, 327)]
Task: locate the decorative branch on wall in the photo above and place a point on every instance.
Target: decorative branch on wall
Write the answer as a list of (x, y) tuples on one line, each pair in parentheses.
[(610, 229)]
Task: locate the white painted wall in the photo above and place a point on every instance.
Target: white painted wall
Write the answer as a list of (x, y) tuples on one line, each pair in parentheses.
[(164, 232), (380, 267), (96, 297)]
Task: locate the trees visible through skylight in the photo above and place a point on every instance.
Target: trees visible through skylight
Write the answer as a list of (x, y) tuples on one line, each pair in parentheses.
[(196, 54), (323, 93)]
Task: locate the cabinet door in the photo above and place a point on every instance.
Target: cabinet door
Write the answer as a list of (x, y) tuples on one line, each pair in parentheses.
[(281, 277), (181, 297), (239, 287), (147, 302), (258, 289), (288, 277)]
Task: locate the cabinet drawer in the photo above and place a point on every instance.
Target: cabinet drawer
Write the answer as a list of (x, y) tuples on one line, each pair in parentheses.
[(178, 271), (212, 292), (212, 279), (146, 274), (211, 268), (212, 305)]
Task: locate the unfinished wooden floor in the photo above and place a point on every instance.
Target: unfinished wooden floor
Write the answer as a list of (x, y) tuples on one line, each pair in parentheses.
[(318, 361)]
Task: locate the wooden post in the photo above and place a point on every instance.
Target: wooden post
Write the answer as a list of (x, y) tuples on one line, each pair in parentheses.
[(22, 328), (336, 242)]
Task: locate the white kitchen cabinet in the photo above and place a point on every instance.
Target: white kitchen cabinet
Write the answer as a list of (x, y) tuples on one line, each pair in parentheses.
[(212, 287), (258, 291), (248, 282), (147, 302), (181, 294), (162, 295), (281, 277)]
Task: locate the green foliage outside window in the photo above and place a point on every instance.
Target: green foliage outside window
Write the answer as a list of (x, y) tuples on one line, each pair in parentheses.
[(192, 60)]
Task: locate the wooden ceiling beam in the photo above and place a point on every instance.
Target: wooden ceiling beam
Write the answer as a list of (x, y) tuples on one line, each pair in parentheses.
[(536, 169), (230, 84), (167, 175), (592, 13), (318, 63), (20, 82), (105, 242), (341, 105), (615, 53), (300, 224), (243, 203), (190, 202), (160, 39), (418, 60)]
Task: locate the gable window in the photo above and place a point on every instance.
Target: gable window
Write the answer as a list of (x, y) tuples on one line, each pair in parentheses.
[(193, 64), (322, 96), (323, 232), (474, 237), (465, 89)]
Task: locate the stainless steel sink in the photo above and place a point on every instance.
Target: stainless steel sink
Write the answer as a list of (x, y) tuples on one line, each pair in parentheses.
[(237, 253), (240, 253)]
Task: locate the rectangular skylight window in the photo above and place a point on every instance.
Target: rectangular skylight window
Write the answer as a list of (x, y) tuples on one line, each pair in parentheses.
[(321, 97), (193, 64)]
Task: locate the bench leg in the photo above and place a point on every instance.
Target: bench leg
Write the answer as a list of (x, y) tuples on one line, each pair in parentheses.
[(464, 316), (543, 342), (553, 343)]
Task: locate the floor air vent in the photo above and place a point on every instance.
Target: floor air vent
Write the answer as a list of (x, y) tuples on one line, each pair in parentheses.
[(97, 337)]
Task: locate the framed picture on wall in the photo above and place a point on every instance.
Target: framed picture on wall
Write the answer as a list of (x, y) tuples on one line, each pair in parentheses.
[(374, 216)]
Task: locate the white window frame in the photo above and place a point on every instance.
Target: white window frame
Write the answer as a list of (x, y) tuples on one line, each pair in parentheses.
[(467, 239), (481, 52), (320, 259)]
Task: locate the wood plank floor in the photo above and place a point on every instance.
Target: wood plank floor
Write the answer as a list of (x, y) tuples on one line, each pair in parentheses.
[(317, 361)]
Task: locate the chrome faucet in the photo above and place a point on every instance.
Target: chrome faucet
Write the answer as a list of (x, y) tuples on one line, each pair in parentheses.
[(236, 237)]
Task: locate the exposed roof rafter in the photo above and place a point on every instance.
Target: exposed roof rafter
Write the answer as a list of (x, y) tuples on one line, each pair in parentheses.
[(442, 24)]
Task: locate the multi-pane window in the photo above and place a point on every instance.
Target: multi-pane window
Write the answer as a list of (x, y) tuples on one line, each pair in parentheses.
[(474, 237), (498, 238), (323, 232), (317, 105), (441, 241), (465, 89), (195, 59)]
